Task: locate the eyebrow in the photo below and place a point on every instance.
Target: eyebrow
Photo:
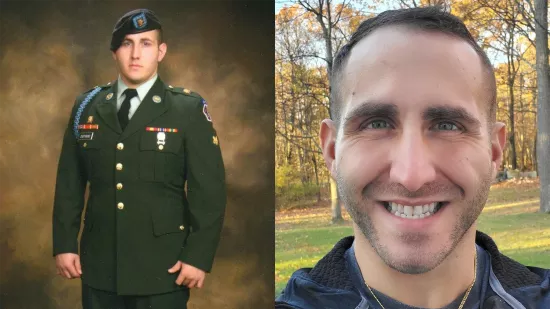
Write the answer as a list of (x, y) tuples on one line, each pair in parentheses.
[(451, 113), (370, 109)]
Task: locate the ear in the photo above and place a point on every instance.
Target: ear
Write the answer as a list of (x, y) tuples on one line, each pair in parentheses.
[(114, 55), (328, 134), (498, 142), (162, 51)]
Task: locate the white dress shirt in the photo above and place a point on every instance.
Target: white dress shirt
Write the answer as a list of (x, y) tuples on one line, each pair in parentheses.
[(135, 101)]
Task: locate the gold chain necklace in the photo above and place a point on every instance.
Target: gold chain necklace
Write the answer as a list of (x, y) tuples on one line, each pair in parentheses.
[(463, 299)]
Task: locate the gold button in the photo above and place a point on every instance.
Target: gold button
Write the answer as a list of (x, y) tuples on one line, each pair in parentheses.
[(119, 186), (161, 147), (85, 145), (182, 227), (120, 146), (119, 166), (120, 206)]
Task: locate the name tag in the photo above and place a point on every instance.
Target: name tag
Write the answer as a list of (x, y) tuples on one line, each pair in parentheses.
[(86, 136)]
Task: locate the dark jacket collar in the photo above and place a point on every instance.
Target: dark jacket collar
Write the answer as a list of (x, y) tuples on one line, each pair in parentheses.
[(331, 271)]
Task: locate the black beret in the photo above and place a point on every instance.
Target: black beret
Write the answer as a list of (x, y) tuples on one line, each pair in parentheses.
[(136, 21)]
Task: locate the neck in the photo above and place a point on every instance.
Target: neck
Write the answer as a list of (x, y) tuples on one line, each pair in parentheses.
[(135, 84), (434, 289)]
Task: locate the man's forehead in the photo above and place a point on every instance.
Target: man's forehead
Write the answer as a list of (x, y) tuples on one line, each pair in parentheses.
[(142, 35), (395, 46), (396, 60)]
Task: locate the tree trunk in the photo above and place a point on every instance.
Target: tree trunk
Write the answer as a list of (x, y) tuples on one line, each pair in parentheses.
[(316, 170), (303, 172), (323, 15), (512, 138), (543, 97), (534, 153), (522, 135), (335, 203)]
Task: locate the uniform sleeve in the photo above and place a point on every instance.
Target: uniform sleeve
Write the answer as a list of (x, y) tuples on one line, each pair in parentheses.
[(206, 191), (69, 194)]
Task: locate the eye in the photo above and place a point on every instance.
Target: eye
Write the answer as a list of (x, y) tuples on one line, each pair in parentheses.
[(377, 125), (126, 43), (446, 126), (147, 43)]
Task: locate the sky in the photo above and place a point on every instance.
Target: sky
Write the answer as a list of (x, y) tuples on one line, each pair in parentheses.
[(496, 58), (279, 4)]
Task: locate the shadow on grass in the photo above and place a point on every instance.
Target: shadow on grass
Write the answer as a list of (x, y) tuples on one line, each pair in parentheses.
[(530, 206), (539, 256)]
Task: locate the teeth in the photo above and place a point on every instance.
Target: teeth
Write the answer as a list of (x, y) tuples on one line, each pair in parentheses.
[(412, 212)]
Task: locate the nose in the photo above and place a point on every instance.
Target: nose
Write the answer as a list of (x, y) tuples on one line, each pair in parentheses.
[(412, 164), (136, 51)]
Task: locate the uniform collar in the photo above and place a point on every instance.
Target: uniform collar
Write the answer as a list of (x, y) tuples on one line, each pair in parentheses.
[(141, 90)]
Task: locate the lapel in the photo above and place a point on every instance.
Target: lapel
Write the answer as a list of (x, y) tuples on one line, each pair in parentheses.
[(106, 108), (147, 110)]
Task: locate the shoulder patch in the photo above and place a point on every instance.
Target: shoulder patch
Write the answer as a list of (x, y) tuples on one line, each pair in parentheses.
[(205, 110)]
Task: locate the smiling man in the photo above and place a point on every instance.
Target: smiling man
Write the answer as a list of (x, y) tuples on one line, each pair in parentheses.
[(414, 145), (138, 143)]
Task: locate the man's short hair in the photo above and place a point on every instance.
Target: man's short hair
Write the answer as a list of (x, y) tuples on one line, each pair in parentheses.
[(432, 18)]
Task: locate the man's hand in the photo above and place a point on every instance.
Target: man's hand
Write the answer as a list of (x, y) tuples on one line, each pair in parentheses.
[(190, 276), (68, 265)]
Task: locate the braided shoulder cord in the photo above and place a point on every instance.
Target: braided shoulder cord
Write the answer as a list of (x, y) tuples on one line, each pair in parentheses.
[(81, 108)]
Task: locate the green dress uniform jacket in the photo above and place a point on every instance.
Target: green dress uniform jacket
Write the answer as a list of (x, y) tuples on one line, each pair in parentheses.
[(139, 218)]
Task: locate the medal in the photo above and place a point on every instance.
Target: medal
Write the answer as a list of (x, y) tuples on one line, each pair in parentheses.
[(161, 140)]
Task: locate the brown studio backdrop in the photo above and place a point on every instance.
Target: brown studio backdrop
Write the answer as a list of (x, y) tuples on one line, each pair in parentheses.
[(52, 51)]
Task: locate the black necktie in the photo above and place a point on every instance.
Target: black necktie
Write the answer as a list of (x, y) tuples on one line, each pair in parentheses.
[(125, 107)]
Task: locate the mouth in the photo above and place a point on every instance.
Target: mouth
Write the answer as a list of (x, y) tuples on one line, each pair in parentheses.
[(413, 212)]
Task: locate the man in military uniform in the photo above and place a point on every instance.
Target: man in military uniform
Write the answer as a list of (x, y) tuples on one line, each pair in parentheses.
[(138, 142)]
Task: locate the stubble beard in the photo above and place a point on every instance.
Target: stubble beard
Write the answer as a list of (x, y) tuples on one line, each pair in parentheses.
[(357, 209), (137, 81), (140, 79)]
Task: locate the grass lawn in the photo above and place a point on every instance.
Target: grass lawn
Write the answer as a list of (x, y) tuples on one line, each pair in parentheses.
[(303, 236)]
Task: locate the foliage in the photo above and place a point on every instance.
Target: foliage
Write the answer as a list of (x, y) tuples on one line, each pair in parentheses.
[(302, 61)]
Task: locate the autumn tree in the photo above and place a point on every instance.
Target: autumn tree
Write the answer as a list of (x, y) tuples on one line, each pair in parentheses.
[(308, 34), (301, 102)]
